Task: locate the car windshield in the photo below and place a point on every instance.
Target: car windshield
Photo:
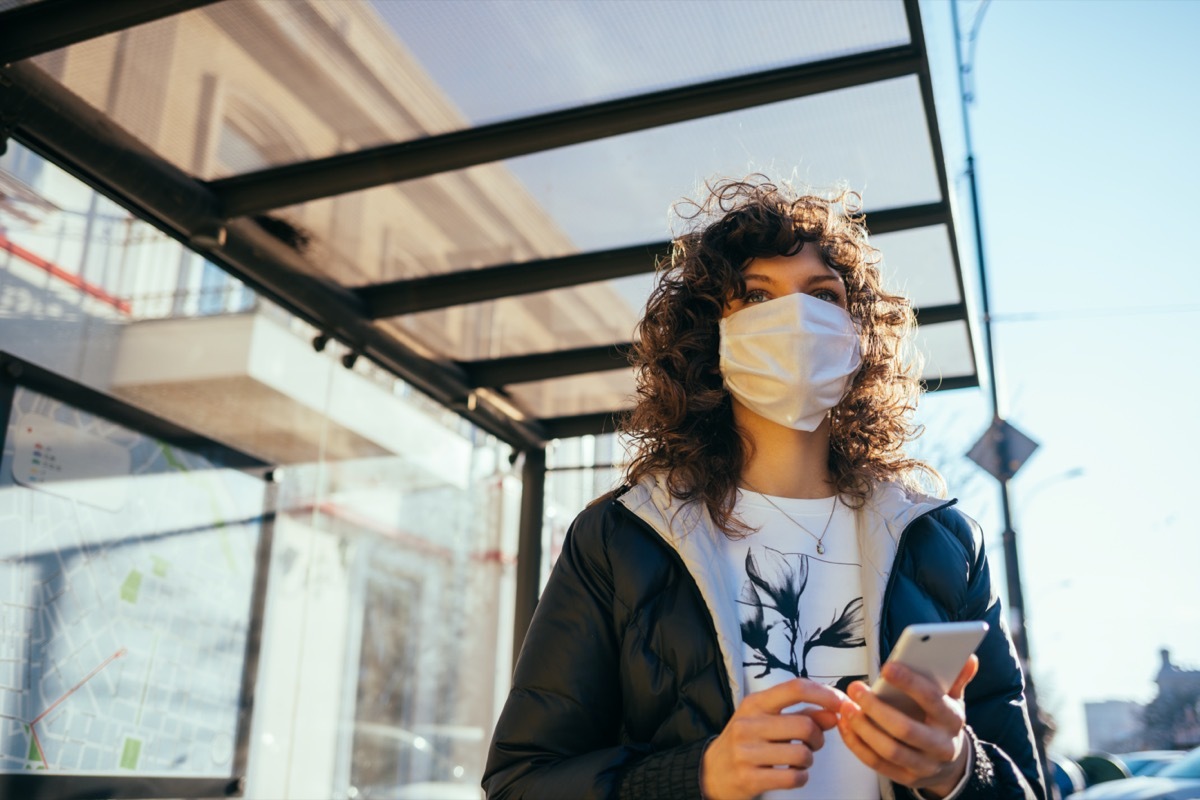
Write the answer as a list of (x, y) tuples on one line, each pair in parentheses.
[(1186, 767)]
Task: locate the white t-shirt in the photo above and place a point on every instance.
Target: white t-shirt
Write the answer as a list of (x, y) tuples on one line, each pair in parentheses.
[(802, 616)]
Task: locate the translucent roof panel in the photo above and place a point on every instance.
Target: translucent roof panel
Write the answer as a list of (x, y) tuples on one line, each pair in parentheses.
[(916, 263), (241, 85), (618, 192), (579, 394), (579, 316), (947, 350), (919, 264), (358, 74), (511, 58)]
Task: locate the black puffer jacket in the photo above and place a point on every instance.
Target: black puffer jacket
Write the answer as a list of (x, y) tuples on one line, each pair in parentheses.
[(622, 679)]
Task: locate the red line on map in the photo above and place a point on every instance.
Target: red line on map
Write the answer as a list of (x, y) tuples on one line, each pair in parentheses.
[(76, 687), (37, 743)]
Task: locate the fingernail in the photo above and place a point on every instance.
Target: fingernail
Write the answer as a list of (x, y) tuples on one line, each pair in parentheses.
[(856, 690), (894, 671)]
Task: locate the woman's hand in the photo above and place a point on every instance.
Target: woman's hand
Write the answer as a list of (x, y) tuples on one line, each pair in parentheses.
[(763, 748), (929, 754)]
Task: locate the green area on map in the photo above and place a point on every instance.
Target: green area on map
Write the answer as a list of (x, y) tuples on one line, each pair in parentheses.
[(160, 566), (129, 589), (34, 755), (130, 753)]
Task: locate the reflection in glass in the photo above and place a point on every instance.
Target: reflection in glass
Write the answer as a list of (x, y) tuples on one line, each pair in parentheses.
[(383, 497)]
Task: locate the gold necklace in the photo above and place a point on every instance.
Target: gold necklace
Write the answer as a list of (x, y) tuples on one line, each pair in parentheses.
[(820, 539)]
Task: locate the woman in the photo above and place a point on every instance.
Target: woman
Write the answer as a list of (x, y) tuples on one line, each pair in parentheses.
[(711, 629)]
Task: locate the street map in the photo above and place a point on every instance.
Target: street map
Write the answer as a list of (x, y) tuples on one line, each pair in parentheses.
[(126, 574)]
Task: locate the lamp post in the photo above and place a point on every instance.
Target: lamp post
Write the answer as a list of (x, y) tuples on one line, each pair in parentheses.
[(1002, 449)]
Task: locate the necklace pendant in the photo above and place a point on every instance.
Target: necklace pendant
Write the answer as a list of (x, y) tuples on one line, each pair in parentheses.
[(820, 549)]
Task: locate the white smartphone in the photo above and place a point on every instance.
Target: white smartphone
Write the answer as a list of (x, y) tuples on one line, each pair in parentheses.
[(937, 650)]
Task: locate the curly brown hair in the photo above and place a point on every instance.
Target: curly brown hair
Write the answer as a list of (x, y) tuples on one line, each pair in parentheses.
[(683, 427)]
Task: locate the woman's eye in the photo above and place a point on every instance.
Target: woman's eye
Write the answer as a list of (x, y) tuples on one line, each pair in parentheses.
[(829, 296), (755, 296)]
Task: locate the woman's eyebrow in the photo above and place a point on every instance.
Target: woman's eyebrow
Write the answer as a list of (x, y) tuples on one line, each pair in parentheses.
[(826, 279), (757, 276)]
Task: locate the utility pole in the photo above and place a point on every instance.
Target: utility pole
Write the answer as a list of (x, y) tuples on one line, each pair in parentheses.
[(1003, 449)]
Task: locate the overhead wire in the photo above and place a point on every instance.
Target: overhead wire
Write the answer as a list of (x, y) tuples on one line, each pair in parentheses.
[(1084, 313)]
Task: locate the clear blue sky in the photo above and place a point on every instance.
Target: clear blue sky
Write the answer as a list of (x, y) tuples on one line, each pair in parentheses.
[(1085, 136)]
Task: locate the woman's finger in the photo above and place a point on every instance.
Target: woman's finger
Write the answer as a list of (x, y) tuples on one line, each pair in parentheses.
[(937, 706), (863, 752), (900, 726), (890, 749), (826, 720), (793, 692), (770, 778), (771, 754), (969, 671), (794, 727)]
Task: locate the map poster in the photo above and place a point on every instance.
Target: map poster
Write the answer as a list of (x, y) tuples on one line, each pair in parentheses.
[(127, 575)]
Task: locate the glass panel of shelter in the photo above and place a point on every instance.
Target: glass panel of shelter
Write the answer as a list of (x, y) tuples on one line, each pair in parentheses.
[(355, 75), (947, 350), (241, 116), (619, 191), (394, 520), (500, 61)]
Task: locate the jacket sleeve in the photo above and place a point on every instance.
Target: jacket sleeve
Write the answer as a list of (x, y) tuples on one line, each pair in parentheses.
[(1005, 758), (559, 734)]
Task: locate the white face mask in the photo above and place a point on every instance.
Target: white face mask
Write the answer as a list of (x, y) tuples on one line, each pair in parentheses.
[(790, 359)]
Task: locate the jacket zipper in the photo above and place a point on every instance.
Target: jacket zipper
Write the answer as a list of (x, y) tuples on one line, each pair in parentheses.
[(887, 590), (712, 628)]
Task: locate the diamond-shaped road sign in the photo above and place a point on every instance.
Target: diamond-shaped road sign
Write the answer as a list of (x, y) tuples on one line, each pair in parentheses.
[(1002, 450)]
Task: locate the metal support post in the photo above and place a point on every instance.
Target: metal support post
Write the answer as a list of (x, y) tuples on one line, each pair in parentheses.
[(529, 548)]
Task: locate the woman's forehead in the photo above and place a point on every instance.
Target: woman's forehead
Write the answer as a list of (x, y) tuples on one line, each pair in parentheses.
[(808, 262)]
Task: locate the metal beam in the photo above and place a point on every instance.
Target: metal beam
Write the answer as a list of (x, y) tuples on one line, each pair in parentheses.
[(545, 366), (952, 383), (130, 786), (912, 11), (582, 424), (890, 220), (498, 372), (431, 292), (286, 185), (932, 315), (46, 25), (606, 421), (563, 364), (65, 129)]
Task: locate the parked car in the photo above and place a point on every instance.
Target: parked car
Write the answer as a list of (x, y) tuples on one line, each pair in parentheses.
[(1149, 762), (1179, 780), (1066, 775)]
